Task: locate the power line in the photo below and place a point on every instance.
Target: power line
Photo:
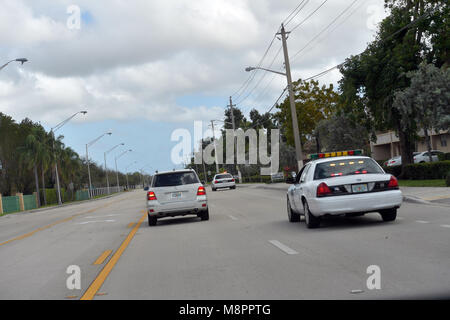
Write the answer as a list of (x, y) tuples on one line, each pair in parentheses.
[(323, 30), (309, 16), (286, 22), (273, 106)]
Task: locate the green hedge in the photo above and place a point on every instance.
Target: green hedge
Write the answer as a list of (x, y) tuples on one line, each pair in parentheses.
[(422, 171), (258, 179), (447, 181), (444, 156)]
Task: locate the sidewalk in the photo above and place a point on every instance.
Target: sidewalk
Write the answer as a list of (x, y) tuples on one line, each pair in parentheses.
[(424, 195)]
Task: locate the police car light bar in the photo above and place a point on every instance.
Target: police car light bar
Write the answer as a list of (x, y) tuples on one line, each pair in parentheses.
[(336, 154)]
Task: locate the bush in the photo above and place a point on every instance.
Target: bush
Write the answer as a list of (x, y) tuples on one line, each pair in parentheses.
[(447, 181), (444, 156), (422, 171), (427, 170), (395, 171)]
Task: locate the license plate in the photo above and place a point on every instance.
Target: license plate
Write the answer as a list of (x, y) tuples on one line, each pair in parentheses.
[(176, 195), (359, 188)]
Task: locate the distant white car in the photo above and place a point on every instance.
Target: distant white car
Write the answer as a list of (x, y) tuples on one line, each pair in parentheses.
[(397, 160), (223, 180), (425, 156), (176, 193), (348, 185)]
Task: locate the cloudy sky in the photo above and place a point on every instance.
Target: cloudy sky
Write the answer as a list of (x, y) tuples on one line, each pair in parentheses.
[(145, 68)]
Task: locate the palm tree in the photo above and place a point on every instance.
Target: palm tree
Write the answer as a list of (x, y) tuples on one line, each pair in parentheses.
[(31, 154)]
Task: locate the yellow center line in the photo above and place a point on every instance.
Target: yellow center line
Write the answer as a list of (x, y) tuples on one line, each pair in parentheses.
[(100, 279), (103, 257), (130, 225), (29, 234)]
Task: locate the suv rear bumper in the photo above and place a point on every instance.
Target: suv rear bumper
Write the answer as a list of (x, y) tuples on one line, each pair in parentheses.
[(154, 208)]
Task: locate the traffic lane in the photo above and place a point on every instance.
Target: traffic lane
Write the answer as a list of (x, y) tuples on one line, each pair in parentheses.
[(408, 247), (228, 258), (20, 223), (35, 267)]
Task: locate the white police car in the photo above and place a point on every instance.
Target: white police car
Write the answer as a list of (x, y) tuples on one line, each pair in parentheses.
[(339, 183)]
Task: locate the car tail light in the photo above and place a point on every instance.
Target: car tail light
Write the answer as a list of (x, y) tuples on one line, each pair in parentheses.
[(215, 181), (232, 180), (393, 183), (323, 190), (201, 191), (151, 196)]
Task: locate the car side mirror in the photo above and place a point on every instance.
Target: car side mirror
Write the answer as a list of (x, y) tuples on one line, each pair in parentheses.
[(290, 180)]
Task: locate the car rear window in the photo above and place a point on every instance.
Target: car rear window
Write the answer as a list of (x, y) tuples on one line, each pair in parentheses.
[(346, 167), (224, 176), (175, 179)]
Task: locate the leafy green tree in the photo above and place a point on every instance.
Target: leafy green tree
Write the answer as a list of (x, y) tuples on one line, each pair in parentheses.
[(313, 104), (427, 100), (412, 32), (339, 132)]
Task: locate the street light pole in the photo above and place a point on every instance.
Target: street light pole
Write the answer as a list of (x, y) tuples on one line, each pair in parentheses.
[(52, 132), (126, 172), (106, 169), (117, 172), (87, 159)]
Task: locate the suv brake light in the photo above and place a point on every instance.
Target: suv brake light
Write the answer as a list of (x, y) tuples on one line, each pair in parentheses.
[(151, 196), (393, 183), (201, 191), (323, 190)]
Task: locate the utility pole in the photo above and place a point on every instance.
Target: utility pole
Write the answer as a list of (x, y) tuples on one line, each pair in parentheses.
[(298, 146), (234, 137), (215, 147)]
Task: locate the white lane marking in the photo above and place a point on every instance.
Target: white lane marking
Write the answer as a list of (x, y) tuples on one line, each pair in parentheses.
[(96, 221), (283, 247), (445, 225), (422, 221), (232, 217)]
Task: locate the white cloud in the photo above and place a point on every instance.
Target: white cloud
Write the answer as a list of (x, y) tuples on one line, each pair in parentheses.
[(136, 59)]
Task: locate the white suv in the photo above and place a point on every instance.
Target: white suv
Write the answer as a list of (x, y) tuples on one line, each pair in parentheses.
[(223, 180), (176, 193)]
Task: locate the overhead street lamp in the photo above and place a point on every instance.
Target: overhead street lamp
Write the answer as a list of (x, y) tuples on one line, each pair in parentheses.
[(106, 169), (52, 132), (248, 69), (87, 159), (126, 172), (21, 60), (117, 172)]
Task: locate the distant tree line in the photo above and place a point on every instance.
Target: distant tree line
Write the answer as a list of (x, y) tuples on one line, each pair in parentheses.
[(28, 154)]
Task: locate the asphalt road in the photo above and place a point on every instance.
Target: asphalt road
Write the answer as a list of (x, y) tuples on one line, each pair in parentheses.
[(247, 250)]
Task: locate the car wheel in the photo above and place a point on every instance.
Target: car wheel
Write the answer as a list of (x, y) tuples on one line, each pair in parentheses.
[(152, 220), (389, 215), (205, 215), (233, 187), (292, 216), (214, 189), (310, 220)]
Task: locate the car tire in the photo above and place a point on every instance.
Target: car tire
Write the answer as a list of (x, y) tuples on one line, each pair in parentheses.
[(205, 215), (214, 189), (292, 216), (233, 187), (152, 220), (310, 220), (389, 215)]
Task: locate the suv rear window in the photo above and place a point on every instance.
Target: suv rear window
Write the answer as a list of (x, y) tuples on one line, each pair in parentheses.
[(175, 179), (346, 167), (224, 176)]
